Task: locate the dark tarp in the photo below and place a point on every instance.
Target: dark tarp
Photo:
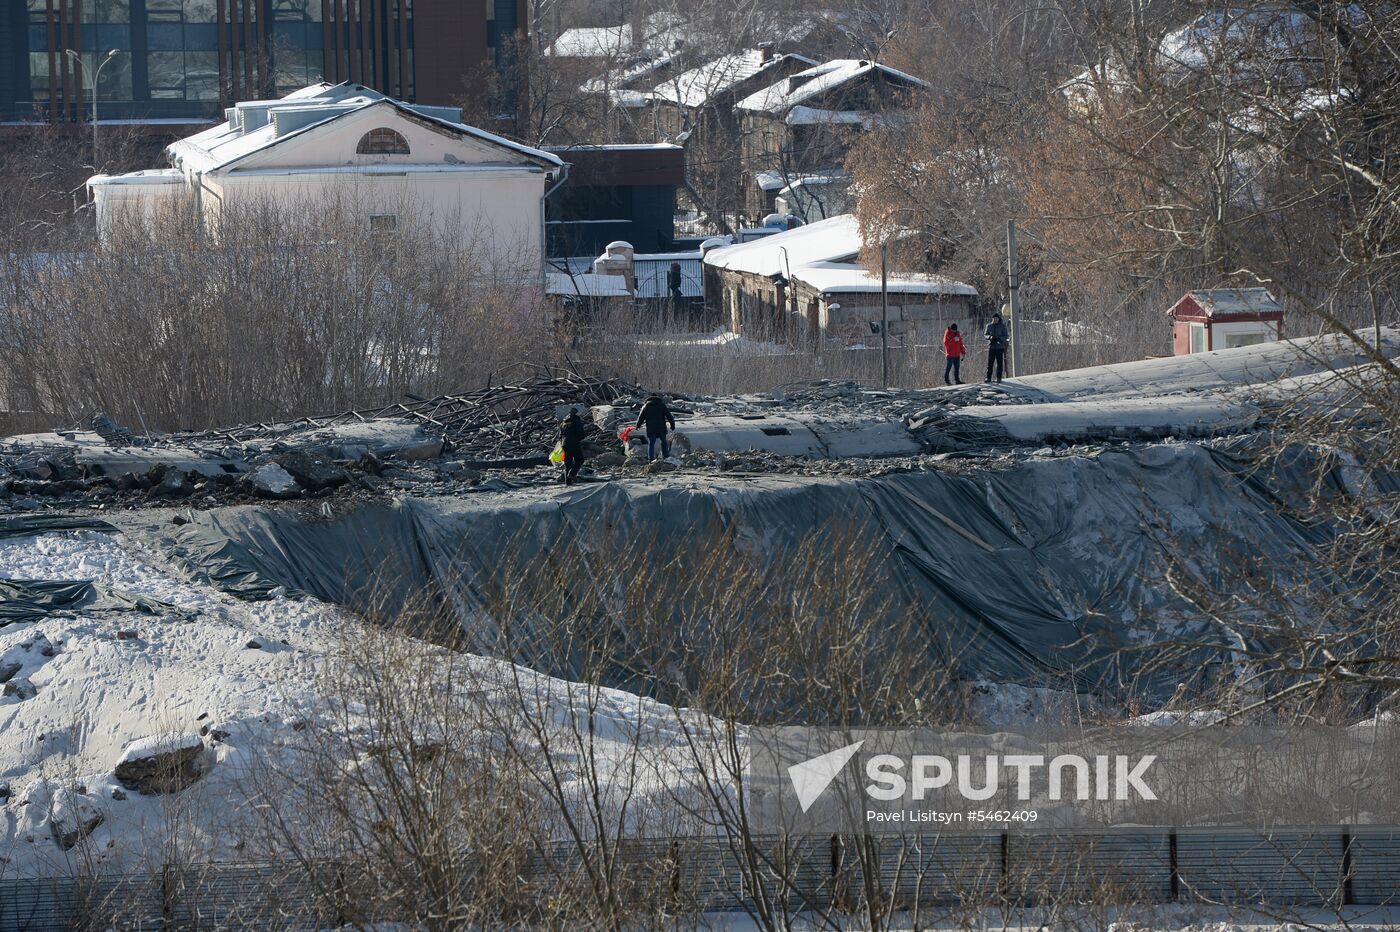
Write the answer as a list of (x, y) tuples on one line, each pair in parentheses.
[(23, 525), (1047, 565), (24, 600)]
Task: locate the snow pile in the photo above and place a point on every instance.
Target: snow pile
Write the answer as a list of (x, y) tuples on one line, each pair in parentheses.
[(222, 688)]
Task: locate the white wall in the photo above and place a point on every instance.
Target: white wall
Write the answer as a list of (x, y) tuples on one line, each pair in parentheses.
[(119, 203), (474, 193), (1219, 332), (493, 216)]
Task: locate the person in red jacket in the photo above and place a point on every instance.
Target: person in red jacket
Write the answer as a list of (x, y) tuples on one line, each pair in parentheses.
[(954, 349)]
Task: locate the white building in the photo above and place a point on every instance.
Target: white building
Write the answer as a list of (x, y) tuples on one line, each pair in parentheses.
[(361, 148)]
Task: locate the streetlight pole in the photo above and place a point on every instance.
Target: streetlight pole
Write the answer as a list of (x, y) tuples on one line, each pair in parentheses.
[(97, 73)]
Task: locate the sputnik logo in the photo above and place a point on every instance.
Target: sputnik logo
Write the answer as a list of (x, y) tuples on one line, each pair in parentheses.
[(811, 777)]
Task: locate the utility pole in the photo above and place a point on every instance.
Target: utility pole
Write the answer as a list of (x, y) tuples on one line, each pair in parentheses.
[(1013, 281), (885, 314)]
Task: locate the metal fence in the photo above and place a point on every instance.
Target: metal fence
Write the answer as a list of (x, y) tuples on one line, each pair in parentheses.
[(1332, 868)]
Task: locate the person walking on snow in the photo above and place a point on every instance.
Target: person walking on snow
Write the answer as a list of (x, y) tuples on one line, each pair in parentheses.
[(654, 417), (571, 433), (954, 349), (998, 338)]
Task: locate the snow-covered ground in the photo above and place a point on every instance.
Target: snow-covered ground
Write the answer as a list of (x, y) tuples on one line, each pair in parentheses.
[(243, 677)]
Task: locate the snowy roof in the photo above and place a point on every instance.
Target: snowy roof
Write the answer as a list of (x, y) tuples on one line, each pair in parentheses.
[(616, 79), (822, 255), (1223, 301), (771, 179), (812, 180), (696, 87), (253, 126), (1275, 30), (592, 42), (144, 177), (848, 278), (811, 116), (824, 241), (587, 285), (631, 99), (805, 85)]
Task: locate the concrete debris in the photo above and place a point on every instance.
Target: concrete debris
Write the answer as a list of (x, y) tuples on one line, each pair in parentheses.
[(20, 689), (110, 431), (73, 817), (311, 473), (175, 483), (273, 481), (163, 764)]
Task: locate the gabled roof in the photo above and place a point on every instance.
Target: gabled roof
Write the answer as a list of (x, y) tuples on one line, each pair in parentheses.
[(592, 42), (806, 85), (1225, 302), (253, 126), (698, 86)]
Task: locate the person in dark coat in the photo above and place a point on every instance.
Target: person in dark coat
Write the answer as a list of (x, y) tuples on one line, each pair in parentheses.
[(571, 433), (673, 284), (655, 417), (998, 339)]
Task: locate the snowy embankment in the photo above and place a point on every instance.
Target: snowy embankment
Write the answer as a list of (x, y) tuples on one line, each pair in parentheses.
[(124, 734)]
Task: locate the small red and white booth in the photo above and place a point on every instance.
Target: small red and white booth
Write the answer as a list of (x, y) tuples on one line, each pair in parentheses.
[(1224, 318)]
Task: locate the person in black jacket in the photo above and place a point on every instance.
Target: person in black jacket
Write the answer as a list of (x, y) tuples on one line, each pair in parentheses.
[(655, 416), (998, 338), (571, 433), (673, 285)]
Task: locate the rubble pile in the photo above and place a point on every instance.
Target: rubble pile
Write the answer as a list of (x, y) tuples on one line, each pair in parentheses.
[(500, 437), (500, 422), (448, 439)]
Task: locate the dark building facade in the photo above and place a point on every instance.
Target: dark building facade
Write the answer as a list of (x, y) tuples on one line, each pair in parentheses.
[(624, 192), (188, 59)]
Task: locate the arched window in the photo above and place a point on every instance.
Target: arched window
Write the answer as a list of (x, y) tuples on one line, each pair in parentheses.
[(382, 141)]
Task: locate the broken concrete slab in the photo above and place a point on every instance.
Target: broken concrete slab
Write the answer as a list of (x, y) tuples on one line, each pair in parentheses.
[(128, 461), (273, 481), (844, 438), (381, 438), (1088, 421), (727, 433)]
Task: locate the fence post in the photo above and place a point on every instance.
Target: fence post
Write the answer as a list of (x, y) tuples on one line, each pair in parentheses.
[(1005, 880), (1174, 866), (1348, 892)]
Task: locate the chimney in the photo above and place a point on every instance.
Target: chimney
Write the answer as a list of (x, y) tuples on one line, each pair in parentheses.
[(765, 52)]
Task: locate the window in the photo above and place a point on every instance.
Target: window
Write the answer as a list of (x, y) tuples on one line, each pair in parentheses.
[(382, 141), (1198, 338), (1233, 340), (383, 223)]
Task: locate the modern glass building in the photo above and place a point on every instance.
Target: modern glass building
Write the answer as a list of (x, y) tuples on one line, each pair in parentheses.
[(188, 59)]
